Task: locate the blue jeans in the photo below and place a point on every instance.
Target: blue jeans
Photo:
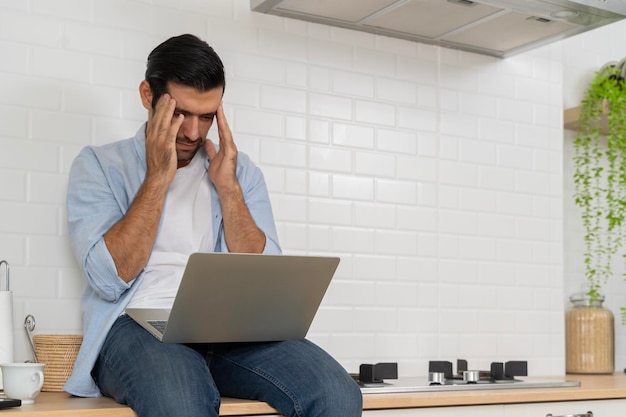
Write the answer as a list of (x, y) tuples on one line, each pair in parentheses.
[(167, 379)]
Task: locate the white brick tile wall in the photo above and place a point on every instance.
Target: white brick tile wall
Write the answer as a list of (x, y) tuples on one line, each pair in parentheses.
[(106, 130), (319, 184), (417, 70), (397, 91), (123, 14), (278, 43), (434, 174), (295, 181), (13, 185), (296, 74), (91, 100), (374, 267), (117, 72), (417, 119), (13, 122), (55, 63), (496, 178), (422, 169), (324, 105), (254, 121), (353, 188), (15, 57), (329, 212), (331, 54), (356, 240), (462, 174), (46, 188), (400, 192), (353, 135), (352, 84), (59, 127), (416, 218), (23, 217), (274, 153), (476, 104), (18, 90), (351, 37), (473, 200), (374, 164), (319, 78), (375, 62), (374, 112), (28, 155), (65, 9), (30, 29), (242, 93), (258, 68), (330, 159)]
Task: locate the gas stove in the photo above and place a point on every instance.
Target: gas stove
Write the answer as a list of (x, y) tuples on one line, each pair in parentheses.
[(441, 377)]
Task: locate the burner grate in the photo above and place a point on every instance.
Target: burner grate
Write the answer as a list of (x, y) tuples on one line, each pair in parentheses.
[(498, 371)]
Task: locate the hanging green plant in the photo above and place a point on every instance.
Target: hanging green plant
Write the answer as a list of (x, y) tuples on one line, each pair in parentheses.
[(600, 174)]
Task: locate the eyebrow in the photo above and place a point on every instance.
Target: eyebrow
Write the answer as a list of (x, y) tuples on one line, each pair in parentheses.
[(186, 112)]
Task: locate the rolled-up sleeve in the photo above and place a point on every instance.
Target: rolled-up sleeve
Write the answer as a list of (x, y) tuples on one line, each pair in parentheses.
[(92, 209), (257, 199)]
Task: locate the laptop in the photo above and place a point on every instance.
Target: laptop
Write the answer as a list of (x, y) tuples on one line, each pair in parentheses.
[(233, 297)]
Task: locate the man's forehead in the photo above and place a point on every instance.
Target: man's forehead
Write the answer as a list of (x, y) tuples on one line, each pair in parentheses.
[(192, 101)]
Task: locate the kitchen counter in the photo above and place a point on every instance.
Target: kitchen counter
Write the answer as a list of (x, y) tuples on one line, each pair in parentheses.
[(60, 404), (593, 387)]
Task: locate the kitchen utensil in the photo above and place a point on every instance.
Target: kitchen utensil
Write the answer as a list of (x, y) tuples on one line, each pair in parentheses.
[(29, 326)]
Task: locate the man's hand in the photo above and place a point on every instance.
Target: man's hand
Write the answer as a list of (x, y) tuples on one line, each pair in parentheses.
[(222, 170), (130, 240), (161, 132), (240, 230)]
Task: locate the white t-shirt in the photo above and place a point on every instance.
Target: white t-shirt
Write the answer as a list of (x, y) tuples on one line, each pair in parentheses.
[(186, 228)]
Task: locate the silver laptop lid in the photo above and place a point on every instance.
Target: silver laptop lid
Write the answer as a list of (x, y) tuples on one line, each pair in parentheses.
[(226, 297)]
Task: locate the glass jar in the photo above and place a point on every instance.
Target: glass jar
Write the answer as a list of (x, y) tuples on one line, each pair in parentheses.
[(589, 337)]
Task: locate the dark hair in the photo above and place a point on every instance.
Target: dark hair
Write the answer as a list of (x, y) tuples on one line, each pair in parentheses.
[(185, 60)]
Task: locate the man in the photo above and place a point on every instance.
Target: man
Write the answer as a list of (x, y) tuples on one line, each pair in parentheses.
[(136, 210)]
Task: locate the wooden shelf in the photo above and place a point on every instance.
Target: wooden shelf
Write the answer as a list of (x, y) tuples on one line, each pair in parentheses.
[(571, 116)]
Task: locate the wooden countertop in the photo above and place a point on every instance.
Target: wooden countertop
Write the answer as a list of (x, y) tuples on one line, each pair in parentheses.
[(60, 404), (593, 387)]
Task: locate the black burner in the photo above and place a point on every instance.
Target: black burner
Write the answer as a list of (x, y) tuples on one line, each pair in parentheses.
[(499, 371)]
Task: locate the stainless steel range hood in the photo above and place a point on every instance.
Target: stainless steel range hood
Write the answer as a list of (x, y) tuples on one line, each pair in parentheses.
[(493, 27)]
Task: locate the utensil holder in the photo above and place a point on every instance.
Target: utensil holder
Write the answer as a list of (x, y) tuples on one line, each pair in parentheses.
[(58, 352)]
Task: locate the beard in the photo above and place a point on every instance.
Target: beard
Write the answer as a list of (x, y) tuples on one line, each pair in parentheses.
[(186, 149)]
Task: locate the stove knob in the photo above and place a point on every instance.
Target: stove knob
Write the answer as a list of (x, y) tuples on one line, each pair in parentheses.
[(436, 378), (471, 377)]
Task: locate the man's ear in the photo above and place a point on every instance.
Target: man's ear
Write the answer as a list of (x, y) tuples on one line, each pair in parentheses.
[(145, 92)]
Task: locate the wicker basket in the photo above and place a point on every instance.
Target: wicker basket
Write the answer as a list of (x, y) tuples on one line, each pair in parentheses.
[(58, 352)]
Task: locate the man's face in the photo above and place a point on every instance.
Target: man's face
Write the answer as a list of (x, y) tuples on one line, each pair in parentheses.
[(199, 109)]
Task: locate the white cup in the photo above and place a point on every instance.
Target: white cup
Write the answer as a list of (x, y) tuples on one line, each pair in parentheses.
[(22, 381)]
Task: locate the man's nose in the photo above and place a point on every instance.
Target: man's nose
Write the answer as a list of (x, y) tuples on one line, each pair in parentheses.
[(190, 127)]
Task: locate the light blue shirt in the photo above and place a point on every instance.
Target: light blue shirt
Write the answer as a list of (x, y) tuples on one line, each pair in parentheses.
[(103, 182)]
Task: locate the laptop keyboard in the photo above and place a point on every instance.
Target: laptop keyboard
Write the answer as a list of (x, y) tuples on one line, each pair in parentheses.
[(158, 324)]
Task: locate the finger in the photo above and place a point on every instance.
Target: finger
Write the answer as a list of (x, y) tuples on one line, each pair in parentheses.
[(166, 112), (223, 130), (158, 113), (162, 113), (175, 125)]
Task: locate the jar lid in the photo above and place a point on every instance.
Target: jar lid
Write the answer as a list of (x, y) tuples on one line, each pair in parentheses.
[(584, 299)]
